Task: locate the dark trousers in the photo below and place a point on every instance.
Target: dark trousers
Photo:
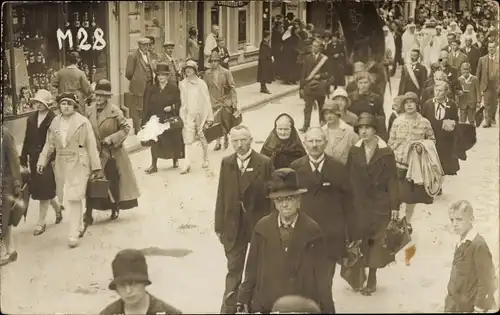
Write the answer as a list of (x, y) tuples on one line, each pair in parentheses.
[(491, 103), (136, 111), (310, 100), (235, 265)]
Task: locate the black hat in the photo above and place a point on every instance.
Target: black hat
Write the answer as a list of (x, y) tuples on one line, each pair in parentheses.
[(296, 304), (103, 87), (284, 182), (162, 68), (67, 96), (129, 265), (366, 119)]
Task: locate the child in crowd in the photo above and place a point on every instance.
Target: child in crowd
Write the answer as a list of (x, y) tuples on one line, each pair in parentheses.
[(472, 280), (396, 110), (469, 98)]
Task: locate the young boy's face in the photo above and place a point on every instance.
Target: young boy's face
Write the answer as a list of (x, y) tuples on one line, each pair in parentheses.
[(465, 72), (460, 222)]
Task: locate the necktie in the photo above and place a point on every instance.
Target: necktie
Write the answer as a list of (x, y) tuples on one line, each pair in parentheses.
[(316, 169), (285, 233), (242, 164), (440, 111)]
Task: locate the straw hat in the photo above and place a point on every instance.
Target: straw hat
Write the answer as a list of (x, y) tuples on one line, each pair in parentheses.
[(42, 96)]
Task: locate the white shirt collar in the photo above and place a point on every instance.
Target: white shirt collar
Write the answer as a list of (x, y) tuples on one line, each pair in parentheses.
[(469, 237), (245, 156), (244, 160), (320, 161), (292, 224)]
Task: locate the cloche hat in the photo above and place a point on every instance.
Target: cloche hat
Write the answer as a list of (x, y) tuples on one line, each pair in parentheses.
[(284, 182), (42, 96), (129, 265)]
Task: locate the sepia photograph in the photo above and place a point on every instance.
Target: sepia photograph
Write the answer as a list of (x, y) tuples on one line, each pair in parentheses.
[(255, 156)]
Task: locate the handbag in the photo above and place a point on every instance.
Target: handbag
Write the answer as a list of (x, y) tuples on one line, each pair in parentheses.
[(397, 235), (98, 188), (213, 132)]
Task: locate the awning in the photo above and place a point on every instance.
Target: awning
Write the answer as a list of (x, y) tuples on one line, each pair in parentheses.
[(232, 4)]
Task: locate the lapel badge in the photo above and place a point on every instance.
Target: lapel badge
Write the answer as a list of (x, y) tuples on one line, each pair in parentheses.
[(249, 169), (326, 184)]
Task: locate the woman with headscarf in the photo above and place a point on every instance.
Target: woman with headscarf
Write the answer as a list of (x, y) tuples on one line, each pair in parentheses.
[(469, 32), (71, 137), (111, 129), (42, 187), (410, 41), (283, 145)]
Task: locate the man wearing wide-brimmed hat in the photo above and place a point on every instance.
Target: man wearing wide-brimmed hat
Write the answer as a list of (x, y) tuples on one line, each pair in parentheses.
[(140, 72), (167, 57), (222, 90), (130, 278), (195, 112), (286, 240)]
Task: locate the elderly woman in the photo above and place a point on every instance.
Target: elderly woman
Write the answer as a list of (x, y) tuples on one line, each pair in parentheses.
[(409, 127), (164, 102), (71, 137), (340, 136), (11, 188), (42, 186), (442, 112), (372, 168), (428, 93), (111, 129), (283, 144)]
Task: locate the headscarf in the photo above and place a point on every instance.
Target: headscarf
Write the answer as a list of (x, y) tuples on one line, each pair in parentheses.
[(467, 35), (283, 152)]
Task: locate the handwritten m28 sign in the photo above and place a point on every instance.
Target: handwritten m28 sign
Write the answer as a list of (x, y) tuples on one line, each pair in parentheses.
[(82, 38)]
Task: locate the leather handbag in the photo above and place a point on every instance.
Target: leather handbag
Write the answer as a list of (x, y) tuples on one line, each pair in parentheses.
[(213, 132), (174, 122), (98, 188)]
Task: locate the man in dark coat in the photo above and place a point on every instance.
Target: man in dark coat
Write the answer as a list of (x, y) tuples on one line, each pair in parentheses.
[(328, 199), (413, 76), (451, 73), (265, 66), (241, 202), (473, 54), (288, 253), (335, 52), (314, 82)]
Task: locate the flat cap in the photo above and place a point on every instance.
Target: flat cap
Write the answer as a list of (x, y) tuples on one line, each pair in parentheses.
[(143, 40), (168, 44)]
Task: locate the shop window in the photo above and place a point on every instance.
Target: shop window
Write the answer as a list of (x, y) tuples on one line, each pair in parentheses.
[(242, 26), (154, 23), (214, 15), (38, 55)]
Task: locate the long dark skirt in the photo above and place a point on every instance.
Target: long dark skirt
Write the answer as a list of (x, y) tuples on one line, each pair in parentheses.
[(411, 193), (170, 145), (41, 186), (445, 146), (375, 254), (113, 177)]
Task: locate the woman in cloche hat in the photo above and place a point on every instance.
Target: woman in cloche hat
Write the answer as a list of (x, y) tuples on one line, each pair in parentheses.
[(372, 169), (71, 138), (164, 101), (111, 128), (42, 186), (130, 272)]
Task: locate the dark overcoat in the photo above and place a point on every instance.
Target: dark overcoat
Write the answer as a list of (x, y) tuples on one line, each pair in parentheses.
[(271, 272), (156, 306), (41, 186), (376, 194), (406, 84), (235, 189), (265, 66), (11, 177), (290, 67), (336, 62), (170, 144), (445, 141), (328, 201)]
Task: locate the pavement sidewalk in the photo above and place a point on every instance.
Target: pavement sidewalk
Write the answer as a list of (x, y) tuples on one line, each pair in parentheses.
[(249, 97)]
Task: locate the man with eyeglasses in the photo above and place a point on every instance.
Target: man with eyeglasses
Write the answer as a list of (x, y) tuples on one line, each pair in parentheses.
[(328, 199), (288, 253), (241, 202)]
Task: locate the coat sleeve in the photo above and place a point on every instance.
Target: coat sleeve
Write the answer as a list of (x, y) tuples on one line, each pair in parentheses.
[(478, 91), (118, 137), (479, 68), (247, 287), (23, 159), (130, 67), (208, 103), (232, 88), (48, 148), (322, 272), (85, 85), (347, 202), (182, 109), (485, 271), (393, 183), (429, 132), (95, 161), (219, 203)]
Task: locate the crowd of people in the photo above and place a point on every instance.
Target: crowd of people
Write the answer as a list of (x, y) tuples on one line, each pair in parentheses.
[(288, 215)]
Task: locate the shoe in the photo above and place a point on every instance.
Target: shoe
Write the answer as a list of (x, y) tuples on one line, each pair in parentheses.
[(204, 164), (175, 163), (40, 229), (114, 214), (72, 243), (368, 290), (217, 147), (8, 258), (152, 169), (186, 170), (59, 216), (266, 91)]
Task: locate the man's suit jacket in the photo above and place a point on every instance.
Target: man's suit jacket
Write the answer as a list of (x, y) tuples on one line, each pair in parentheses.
[(473, 96), (72, 79), (309, 64), (406, 84), (328, 201), (136, 72), (473, 58), (456, 61), (228, 209), (223, 55), (222, 89), (482, 72)]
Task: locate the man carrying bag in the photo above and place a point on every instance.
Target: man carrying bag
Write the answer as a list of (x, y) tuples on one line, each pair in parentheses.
[(314, 82)]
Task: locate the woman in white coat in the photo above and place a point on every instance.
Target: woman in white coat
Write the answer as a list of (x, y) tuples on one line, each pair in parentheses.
[(71, 136)]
